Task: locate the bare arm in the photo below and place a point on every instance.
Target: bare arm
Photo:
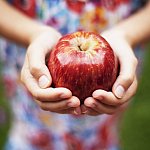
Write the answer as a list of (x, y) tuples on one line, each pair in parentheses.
[(20, 28), (17, 27), (35, 75), (122, 38), (136, 28)]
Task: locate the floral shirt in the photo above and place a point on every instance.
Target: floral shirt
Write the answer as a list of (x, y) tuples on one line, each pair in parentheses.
[(35, 129)]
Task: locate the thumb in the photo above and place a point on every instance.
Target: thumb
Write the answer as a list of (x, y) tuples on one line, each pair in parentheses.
[(38, 68), (126, 76), (44, 79)]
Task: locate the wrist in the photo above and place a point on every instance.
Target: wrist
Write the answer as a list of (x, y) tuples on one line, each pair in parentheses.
[(118, 33), (128, 35), (135, 29), (42, 29)]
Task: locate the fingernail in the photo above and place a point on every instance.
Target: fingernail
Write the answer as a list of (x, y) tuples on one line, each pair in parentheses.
[(97, 96), (74, 112), (84, 109), (63, 96), (43, 81), (119, 92), (77, 111), (72, 103), (90, 103)]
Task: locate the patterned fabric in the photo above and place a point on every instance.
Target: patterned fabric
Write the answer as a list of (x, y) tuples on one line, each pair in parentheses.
[(35, 129)]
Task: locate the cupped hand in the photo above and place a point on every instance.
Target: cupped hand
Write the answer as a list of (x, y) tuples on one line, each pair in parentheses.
[(36, 76), (124, 88)]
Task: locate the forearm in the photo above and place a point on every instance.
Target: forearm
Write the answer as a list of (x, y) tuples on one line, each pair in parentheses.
[(136, 28), (16, 26)]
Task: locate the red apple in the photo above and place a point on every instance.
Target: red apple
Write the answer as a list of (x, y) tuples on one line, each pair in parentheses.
[(83, 62)]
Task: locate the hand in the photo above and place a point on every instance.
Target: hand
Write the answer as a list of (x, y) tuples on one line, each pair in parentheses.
[(103, 102), (36, 77)]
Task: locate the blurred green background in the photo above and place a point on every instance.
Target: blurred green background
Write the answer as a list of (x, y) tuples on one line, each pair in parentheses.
[(135, 125), (5, 114)]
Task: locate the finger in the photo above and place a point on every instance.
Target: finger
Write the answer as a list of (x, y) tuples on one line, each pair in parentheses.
[(131, 91), (89, 111), (73, 110), (92, 112), (52, 94), (99, 107), (48, 94), (127, 72), (37, 65), (59, 106), (109, 98)]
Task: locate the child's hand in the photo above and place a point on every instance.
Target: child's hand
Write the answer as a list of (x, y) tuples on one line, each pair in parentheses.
[(125, 86), (36, 77)]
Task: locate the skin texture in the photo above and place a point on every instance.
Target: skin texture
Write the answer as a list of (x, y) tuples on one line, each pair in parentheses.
[(35, 74)]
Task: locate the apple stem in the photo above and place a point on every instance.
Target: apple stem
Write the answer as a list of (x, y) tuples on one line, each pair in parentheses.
[(80, 48)]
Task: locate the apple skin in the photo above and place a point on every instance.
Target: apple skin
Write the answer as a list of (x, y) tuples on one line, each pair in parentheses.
[(83, 62)]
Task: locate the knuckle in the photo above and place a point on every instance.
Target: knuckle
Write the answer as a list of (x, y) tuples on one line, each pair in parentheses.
[(62, 106), (128, 79), (111, 112), (36, 95), (136, 85), (118, 102), (57, 108), (22, 77), (53, 108), (134, 92), (43, 107), (34, 69), (135, 61), (31, 49), (67, 111)]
